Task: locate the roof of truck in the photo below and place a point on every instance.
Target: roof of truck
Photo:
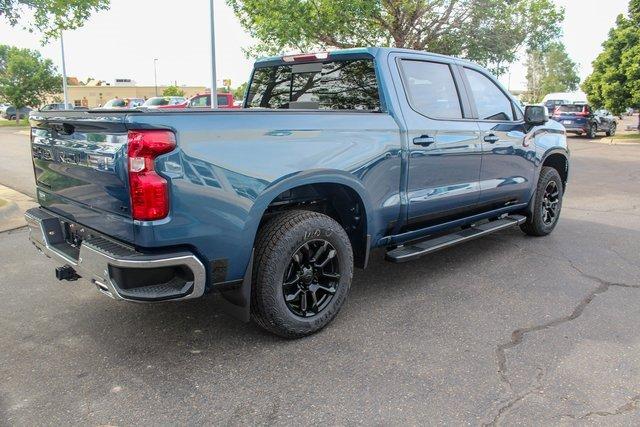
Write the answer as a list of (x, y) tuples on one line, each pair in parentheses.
[(373, 51)]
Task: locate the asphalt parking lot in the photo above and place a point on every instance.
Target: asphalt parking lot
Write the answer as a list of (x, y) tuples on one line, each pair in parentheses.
[(505, 330)]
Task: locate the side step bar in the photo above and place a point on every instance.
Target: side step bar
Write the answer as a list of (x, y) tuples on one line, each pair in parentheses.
[(416, 250)]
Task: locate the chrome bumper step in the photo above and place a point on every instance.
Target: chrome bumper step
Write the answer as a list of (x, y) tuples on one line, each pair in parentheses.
[(418, 249), (108, 264)]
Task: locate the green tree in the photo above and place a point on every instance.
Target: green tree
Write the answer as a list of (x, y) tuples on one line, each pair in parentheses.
[(615, 81), (550, 70), (26, 78), (487, 31), (50, 16), (238, 93), (172, 91)]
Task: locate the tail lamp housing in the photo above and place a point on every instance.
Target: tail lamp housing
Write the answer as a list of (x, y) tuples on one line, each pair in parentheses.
[(148, 191)]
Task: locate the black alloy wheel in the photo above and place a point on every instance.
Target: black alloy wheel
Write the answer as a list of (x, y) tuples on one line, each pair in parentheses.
[(311, 279), (550, 203)]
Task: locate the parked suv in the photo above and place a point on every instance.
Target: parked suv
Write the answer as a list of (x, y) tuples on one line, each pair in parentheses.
[(581, 120), (10, 113), (273, 205)]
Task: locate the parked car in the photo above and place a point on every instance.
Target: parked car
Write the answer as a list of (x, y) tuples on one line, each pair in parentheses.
[(552, 104), (225, 101), (582, 120), (10, 113), (56, 106), (163, 101), (126, 103), (3, 107), (273, 205)]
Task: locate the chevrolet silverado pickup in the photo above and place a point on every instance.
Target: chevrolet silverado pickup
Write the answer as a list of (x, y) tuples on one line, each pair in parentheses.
[(273, 205)]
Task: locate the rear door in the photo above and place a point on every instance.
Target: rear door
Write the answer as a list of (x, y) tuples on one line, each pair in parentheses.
[(507, 154), (444, 147)]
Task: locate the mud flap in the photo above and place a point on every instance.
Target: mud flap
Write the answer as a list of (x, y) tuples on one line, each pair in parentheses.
[(237, 297)]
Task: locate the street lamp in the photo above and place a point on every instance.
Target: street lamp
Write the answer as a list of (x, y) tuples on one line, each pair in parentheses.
[(214, 89), (64, 74), (155, 74)]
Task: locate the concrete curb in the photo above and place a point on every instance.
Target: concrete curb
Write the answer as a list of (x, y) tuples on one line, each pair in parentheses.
[(12, 213)]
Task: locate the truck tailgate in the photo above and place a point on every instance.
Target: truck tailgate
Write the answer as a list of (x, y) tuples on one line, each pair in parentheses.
[(80, 166)]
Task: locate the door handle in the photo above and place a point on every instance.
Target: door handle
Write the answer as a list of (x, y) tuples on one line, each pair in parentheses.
[(491, 138), (424, 140)]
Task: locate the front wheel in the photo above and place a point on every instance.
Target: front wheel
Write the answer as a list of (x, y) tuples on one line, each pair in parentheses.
[(592, 132), (547, 204), (302, 273)]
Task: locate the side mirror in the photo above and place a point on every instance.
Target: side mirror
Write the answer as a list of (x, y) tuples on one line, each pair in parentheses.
[(535, 115)]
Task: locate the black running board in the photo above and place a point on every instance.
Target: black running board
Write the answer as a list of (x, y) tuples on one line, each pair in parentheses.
[(416, 250)]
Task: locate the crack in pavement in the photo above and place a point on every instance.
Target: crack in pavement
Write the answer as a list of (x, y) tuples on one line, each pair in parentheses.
[(627, 407), (511, 403), (518, 336)]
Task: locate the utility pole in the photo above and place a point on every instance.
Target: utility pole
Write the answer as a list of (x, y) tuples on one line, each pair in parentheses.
[(155, 74), (64, 74), (214, 89)]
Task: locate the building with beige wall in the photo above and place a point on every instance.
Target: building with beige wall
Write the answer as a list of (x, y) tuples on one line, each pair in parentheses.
[(96, 95)]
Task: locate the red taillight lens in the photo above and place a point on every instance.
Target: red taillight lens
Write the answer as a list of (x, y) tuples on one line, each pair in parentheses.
[(148, 190)]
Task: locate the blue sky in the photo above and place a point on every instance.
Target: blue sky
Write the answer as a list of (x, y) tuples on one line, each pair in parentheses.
[(123, 41)]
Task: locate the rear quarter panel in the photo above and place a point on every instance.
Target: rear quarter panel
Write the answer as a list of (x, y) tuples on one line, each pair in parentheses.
[(229, 166)]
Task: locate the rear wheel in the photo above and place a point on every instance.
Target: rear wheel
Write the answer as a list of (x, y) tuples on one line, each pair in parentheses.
[(547, 204), (612, 129), (302, 273)]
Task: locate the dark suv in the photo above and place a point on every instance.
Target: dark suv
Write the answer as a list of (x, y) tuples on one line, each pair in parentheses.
[(581, 120)]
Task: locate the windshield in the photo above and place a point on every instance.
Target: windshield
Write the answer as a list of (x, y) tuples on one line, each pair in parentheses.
[(115, 103), (334, 85), (570, 109), (163, 100)]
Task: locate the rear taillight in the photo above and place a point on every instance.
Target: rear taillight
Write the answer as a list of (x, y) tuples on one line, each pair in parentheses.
[(148, 190)]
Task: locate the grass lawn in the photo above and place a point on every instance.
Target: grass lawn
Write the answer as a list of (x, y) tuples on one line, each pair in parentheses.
[(628, 136), (12, 123)]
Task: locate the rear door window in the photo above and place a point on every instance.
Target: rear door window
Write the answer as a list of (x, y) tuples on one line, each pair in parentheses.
[(333, 85), (431, 89), (491, 102)]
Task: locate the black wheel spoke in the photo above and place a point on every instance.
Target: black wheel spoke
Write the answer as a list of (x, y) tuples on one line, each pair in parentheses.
[(332, 276), (330, 255), (330, 290), (293, 297), (303, 303)]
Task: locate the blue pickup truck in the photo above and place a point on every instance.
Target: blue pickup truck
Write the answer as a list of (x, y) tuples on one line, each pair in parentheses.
[(273, 205)]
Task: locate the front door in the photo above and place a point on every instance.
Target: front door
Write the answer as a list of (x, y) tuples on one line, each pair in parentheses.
[(508, 154), (444, 148)]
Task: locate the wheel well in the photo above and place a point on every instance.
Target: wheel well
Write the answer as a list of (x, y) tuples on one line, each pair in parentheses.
[(337, 201), (560, 163)]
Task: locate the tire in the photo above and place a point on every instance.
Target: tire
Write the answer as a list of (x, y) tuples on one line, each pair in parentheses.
[(592, 132), (284, 252), (538, 223), (612, 129), (12, 118)]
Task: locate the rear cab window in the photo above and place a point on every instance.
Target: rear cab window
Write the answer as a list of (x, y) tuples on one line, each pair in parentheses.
[(573, 109), (333, 84)]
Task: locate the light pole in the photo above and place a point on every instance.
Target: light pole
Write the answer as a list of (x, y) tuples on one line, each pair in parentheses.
[(64, 74), (155, 74), (214, 89)]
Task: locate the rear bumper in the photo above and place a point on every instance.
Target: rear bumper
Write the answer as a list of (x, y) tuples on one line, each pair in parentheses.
[(118, 270)]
